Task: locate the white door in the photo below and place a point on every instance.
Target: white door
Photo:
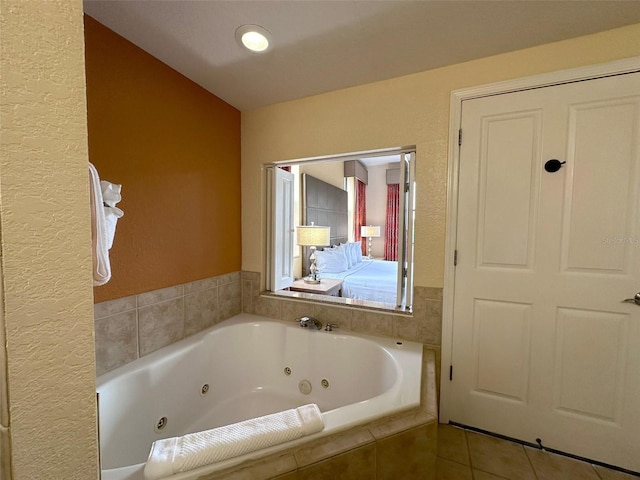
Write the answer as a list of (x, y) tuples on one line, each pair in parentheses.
[(543, 346), (281, 245), (404, 295)]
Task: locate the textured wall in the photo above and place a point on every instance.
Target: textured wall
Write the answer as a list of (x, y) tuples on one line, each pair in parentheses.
[(410, 110), (46, 253), (175, 148)]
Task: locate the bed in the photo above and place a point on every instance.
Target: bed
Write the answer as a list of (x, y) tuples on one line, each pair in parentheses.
[(363, 279), (369, 280)]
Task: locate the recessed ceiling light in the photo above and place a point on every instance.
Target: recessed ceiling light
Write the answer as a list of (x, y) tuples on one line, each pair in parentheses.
[(253, 37)]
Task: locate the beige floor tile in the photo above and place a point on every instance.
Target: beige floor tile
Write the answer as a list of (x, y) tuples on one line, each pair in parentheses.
[(288, 476), (608, 474), (448, 470), (452, 444), (407, 455), (549, 466), (499, 457), (479, 475), (357, 464)]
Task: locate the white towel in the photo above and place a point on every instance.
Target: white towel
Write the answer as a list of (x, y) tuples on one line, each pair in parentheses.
[(110, 193), (104, 216), (99, 240), (180, 454), (111, 196)]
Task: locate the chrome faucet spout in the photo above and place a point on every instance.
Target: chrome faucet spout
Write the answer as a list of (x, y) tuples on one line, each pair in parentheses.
[(309, 322)]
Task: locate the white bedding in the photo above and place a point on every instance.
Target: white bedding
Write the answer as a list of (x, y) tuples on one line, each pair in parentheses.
[(369, 280)]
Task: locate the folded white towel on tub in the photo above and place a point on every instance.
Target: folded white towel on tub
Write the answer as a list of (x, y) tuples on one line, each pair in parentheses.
[(180, 454)]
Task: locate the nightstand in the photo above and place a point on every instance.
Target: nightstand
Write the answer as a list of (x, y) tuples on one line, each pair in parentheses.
[(327, 286)]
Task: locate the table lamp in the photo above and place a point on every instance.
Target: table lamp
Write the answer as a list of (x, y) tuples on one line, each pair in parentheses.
[(313, 236)]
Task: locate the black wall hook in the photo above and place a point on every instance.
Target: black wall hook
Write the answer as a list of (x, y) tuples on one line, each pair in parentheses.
[(553, 165)]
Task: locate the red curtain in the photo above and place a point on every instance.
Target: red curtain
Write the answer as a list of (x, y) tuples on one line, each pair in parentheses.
[(361, 213), (391, 225)]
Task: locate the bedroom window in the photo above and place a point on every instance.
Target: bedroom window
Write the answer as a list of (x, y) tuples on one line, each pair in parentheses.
[(322, 199)]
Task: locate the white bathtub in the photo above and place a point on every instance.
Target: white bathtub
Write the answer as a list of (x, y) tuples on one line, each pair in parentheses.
[(249, 366)]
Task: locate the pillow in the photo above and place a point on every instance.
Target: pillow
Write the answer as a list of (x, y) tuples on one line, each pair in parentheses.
[(332, 260), (346, 248), (353, 251), (356, 252)]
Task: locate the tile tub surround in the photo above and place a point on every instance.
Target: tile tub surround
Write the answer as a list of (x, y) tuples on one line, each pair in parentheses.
[(398, 447), (392, 447), (131, 327), (424, 325)]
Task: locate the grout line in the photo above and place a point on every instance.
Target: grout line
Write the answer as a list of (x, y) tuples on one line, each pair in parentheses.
[(466, 442), (184, 312), (218, 313), (595, 470), (491, 473), (533, 468), (137, 330), (454, 461)]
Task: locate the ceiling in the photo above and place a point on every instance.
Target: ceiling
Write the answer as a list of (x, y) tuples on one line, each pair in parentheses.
[(321, 45)]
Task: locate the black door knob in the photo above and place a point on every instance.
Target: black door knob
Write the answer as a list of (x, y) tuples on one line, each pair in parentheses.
[(553, 165)]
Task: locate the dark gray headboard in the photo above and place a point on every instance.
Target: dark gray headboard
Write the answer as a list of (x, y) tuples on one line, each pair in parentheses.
[(325, 205)]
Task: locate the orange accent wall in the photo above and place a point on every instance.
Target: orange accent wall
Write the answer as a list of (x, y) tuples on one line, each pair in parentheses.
[(175, 148)]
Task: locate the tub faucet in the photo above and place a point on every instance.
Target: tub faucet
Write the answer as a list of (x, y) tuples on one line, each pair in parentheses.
[(310, 322)]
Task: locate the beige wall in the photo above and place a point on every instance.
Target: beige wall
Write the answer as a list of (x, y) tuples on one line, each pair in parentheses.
[(46, 253), (408, 110), (329, 172)]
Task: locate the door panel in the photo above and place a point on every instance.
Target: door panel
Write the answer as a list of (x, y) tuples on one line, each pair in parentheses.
[(609, 159), (589, 374), (502, 372), (543, 346), (507, 203)]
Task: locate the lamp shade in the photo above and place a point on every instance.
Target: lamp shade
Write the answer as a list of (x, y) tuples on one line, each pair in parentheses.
[(369, 231), (313, 235)]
